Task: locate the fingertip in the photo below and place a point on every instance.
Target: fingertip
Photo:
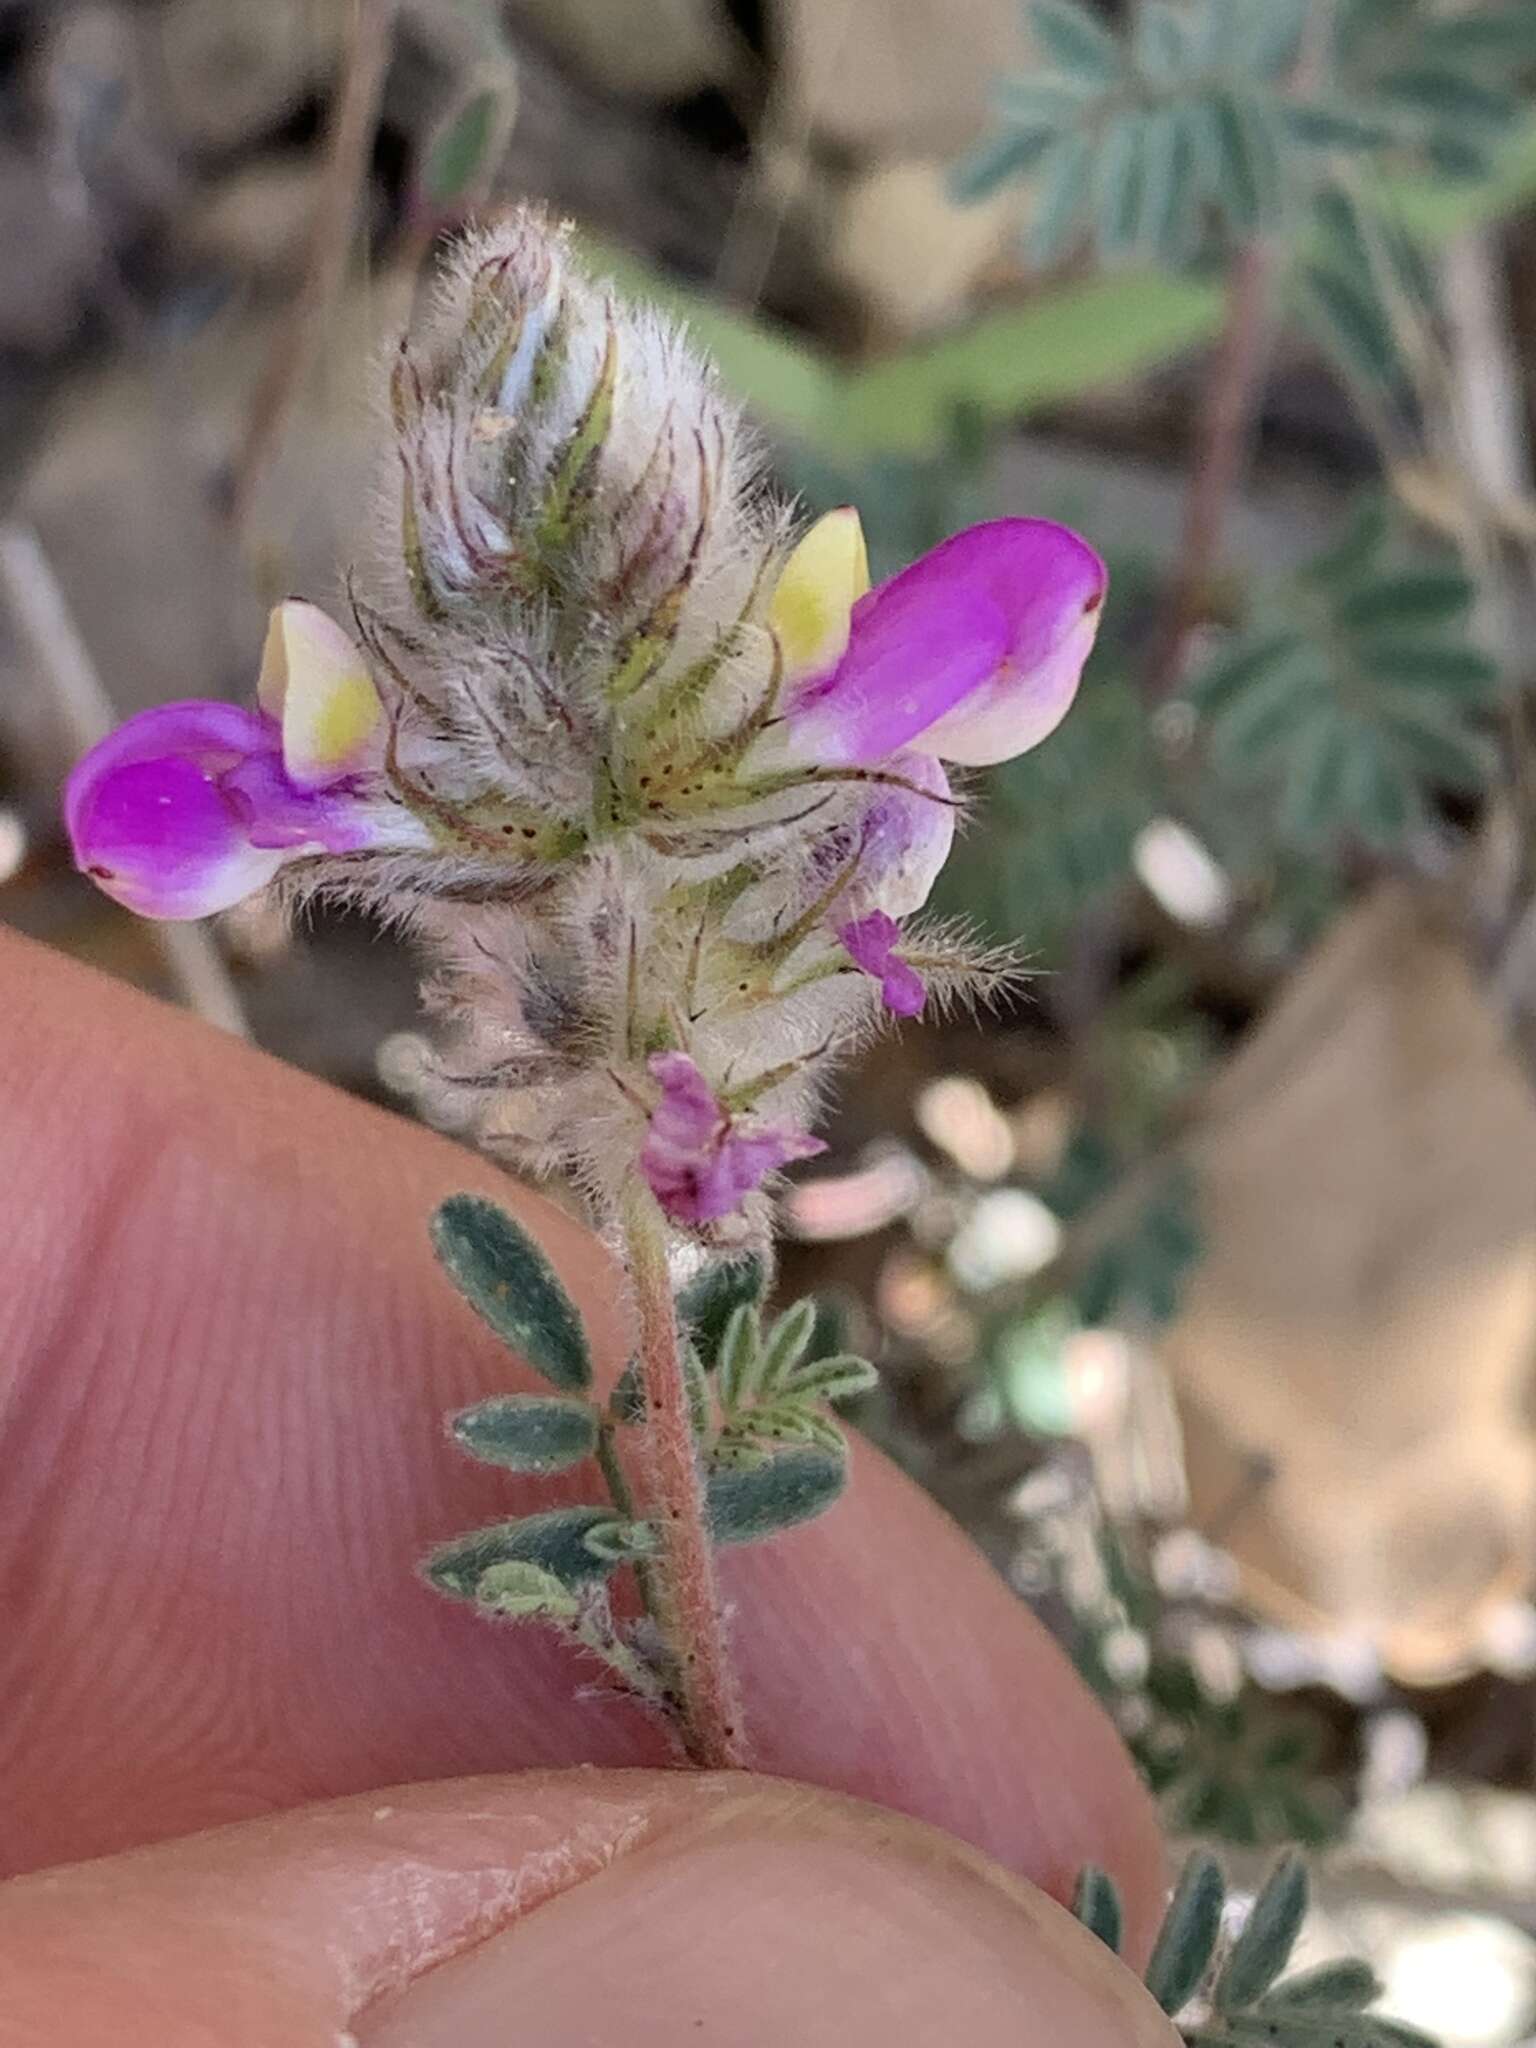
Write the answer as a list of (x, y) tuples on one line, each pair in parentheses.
[(767, 1913), (646, 1907)]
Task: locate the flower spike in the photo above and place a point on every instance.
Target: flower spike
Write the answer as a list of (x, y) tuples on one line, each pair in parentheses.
[(625, 762)]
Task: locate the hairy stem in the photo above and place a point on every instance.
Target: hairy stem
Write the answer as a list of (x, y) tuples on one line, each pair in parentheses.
[(1225, 429), (683, 1597)]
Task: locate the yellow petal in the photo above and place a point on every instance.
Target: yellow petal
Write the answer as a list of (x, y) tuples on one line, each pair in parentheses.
[(317, 683), (822, 581)]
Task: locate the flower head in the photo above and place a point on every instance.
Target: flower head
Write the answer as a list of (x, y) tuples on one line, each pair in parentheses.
[(624, 761), (700, 1160)]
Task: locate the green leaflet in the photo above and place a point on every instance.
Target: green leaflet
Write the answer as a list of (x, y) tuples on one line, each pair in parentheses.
[(1119, 176), (838, 1377), (1428, 597), (555, 1542), (1096, 1902), (748, 1502), (1269, 1934), (1161, 46), (461, 161), (540, 1433), (740, 1358), (1343, 1986), (1187, 1938), (509, 1283), (1077, 41), (786, 1344), (1001, 157), (525, 1592), (1063, 180)]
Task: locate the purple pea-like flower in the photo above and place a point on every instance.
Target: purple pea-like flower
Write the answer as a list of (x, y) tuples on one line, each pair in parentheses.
[(699, 1160), (973, 654), (188, 808)]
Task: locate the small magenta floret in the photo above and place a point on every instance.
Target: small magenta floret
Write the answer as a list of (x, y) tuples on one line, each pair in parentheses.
[(700, 1160)]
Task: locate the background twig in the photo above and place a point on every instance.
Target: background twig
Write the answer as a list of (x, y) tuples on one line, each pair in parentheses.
[(348, 150), (63, 663)]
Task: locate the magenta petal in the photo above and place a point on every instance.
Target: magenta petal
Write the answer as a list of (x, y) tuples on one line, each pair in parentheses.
[(700, 1161), (972, 654), (883, 850), (870, 942), (160, 837), (215, 736)]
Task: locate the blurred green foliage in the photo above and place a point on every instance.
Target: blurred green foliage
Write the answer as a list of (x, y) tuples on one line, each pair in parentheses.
[(1235, 1765), (1355, 697), (1136, 1275), (1230, 115), (1220, 1974), (1089, 333)]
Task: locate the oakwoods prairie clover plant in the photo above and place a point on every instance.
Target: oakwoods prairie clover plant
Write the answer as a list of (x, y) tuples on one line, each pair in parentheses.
[(661, 792)]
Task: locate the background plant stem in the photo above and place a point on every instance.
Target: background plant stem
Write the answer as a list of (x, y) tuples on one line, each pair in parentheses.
[(685, 1600), (1225, 430), (349, 142)]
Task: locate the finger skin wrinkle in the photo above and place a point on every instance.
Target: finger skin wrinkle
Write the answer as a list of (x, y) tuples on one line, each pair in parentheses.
[(302, 1922)]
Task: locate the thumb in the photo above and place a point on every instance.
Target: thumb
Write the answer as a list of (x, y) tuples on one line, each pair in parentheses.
[(639, 1908)]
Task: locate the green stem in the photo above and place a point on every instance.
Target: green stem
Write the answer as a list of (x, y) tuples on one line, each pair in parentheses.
[(613, 1472), (683, 1598)]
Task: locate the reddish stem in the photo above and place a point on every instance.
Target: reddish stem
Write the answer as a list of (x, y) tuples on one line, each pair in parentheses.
[(1225, 430), (685, 1602)]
